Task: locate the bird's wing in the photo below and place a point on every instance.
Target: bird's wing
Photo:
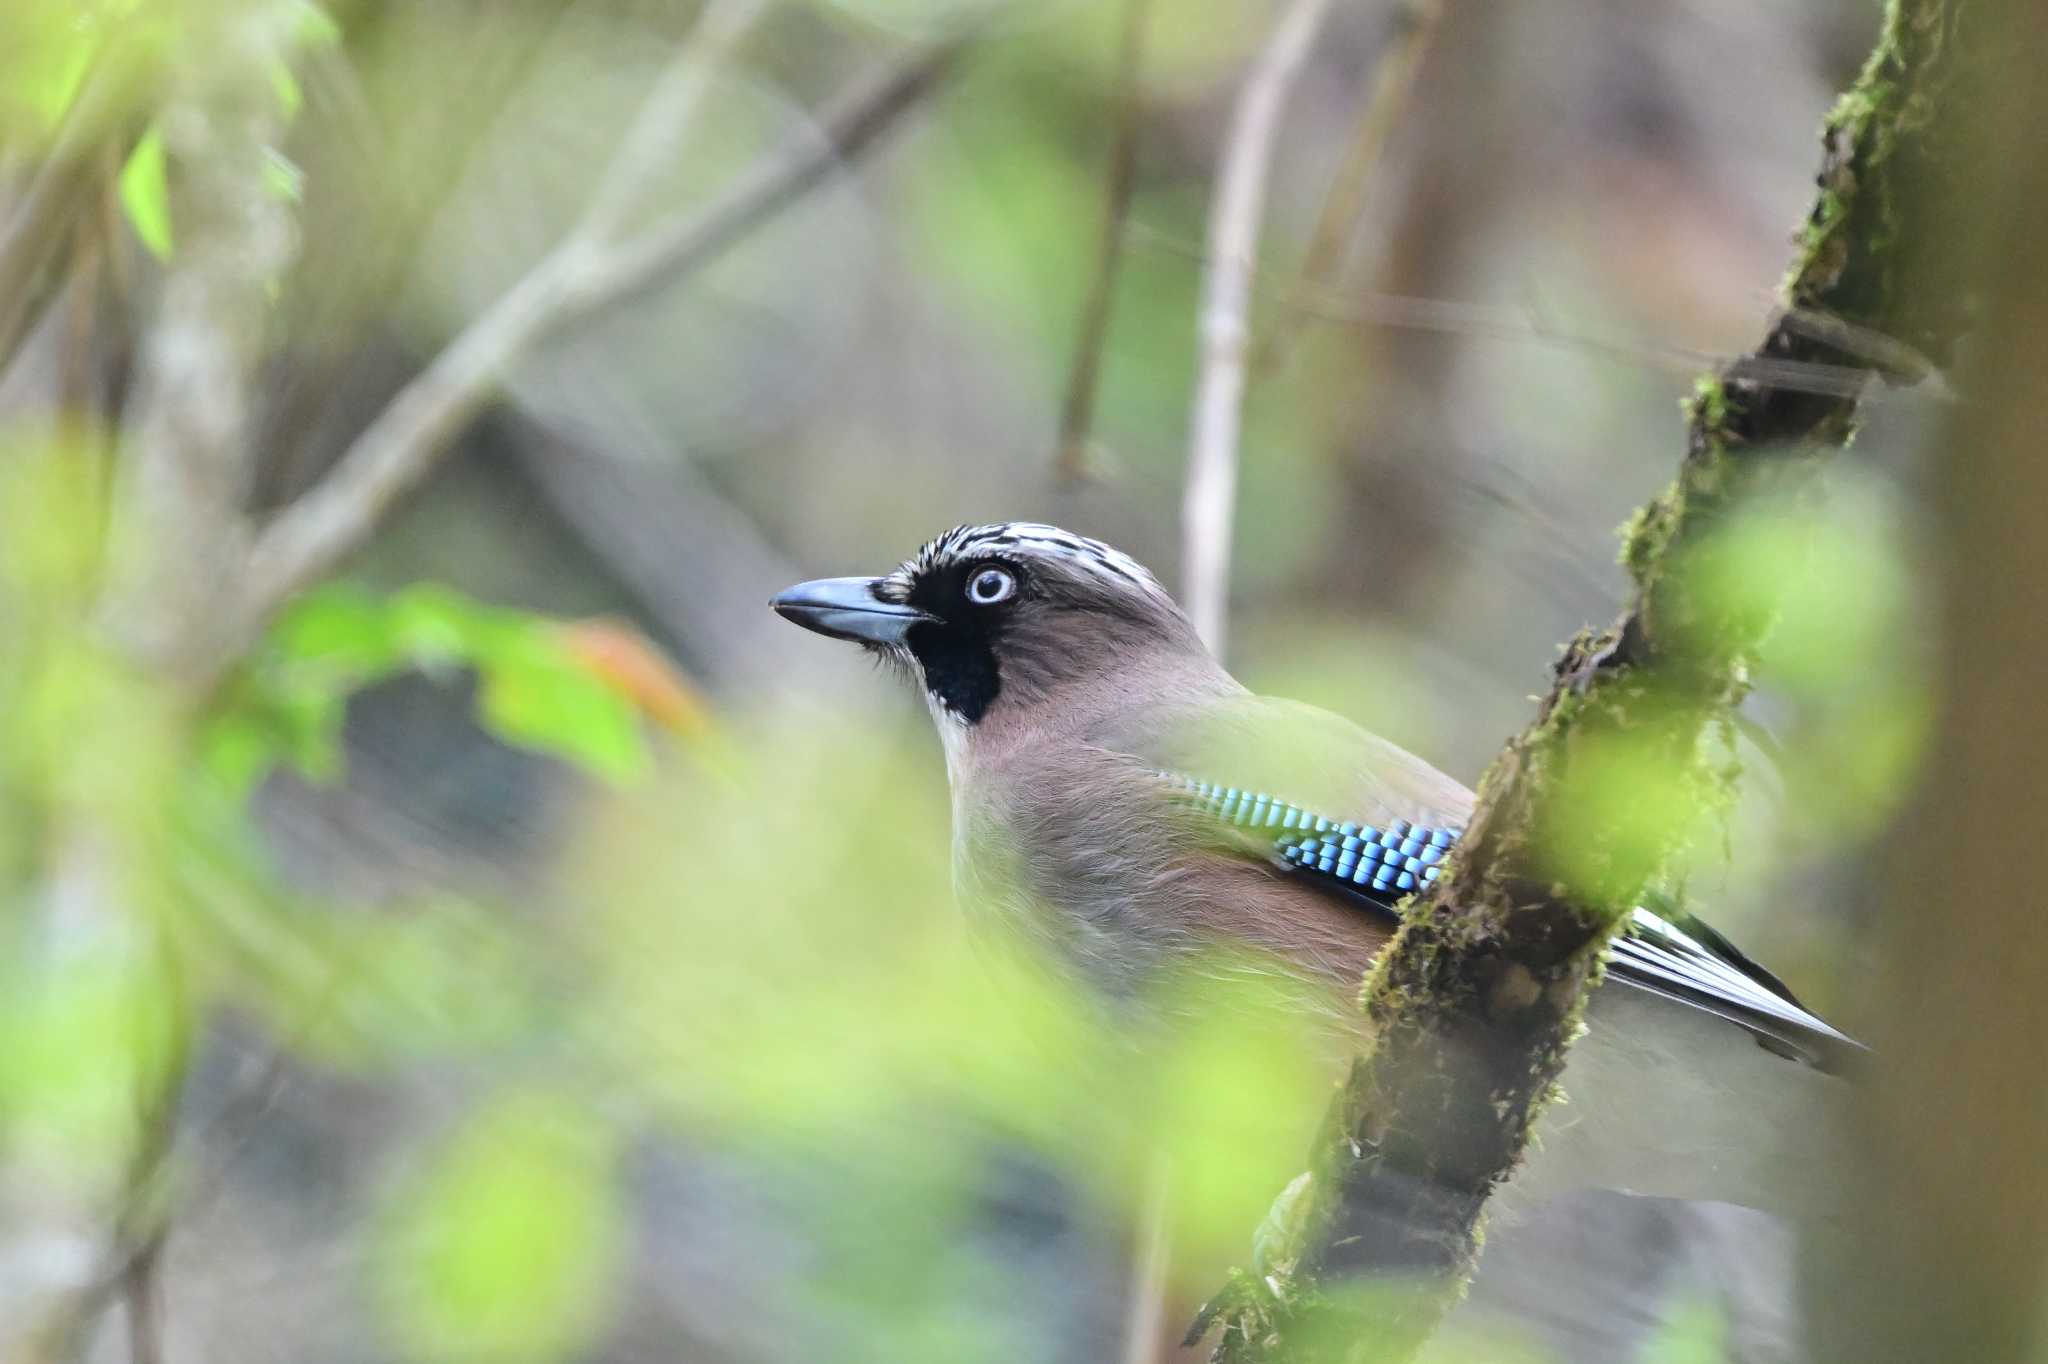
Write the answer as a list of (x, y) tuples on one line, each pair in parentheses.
[(1320, 760), (1399, 819)]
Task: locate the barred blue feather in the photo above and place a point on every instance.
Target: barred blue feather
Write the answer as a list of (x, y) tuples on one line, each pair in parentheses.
[(1380, 865)]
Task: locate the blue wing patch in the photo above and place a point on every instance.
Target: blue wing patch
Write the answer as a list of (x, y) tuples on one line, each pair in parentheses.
[(1654, 953), (1382, 864)]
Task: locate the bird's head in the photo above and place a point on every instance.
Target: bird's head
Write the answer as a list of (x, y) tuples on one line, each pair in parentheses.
[(994, 619)]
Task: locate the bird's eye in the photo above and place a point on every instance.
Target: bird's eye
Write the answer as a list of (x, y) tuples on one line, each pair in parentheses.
[(990, 586)]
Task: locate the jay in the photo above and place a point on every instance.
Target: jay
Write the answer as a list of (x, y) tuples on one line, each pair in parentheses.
[(1120, 797)]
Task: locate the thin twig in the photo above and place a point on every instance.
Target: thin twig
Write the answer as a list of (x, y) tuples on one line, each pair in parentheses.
[(664, 121), (1451, 318), (1414, 24), (1077, 413), (398, 447), (845, 129), (1896, 360), (142, 1297), (33, 243), (401, 445), (1234, 220), (1145, 1306)]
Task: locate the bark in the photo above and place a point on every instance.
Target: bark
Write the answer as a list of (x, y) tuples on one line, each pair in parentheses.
[(1473, 1005)]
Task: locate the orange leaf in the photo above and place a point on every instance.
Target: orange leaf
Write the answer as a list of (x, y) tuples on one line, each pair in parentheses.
[(631, 664)]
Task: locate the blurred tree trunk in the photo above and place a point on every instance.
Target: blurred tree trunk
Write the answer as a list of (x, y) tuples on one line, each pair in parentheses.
[(1948, 1258)]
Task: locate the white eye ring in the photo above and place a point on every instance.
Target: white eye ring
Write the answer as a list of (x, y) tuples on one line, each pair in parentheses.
[(989, 586)]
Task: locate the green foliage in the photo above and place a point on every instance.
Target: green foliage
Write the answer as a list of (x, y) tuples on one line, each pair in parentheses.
[(369, 992), (83, 1042), (534, 690), (146, 195), (1625, 802), (47, 48), (44, 52), (283, 177), (1846, 646), (1694, 1334), (504, 1247)]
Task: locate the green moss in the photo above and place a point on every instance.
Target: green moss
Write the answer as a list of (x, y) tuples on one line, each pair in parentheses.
[(1709, 405), (1646, 533)]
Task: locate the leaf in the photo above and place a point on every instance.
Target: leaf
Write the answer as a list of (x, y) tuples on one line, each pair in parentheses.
[(505, 1245), (638, 670), (538, 685), (50, 51), (146, 194), (315, 27), (282, 176), (432, 626), (285, 85), (537, 695)]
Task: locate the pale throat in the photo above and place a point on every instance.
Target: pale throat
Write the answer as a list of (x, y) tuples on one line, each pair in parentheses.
[(952, 729)]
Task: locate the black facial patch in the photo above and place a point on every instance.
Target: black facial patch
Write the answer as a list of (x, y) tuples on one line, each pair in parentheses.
[(958, 651), (959, 668)]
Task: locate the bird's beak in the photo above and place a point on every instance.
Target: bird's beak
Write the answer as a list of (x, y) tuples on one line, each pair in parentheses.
[(847, 608)]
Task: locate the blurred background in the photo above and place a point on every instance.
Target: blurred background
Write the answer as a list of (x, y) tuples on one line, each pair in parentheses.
[(534, 949)]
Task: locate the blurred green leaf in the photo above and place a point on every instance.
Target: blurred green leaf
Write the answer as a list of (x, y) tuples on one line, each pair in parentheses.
[(45, 49), (1628, 800), (505, 1246), (535, 697), (1694, 1333), (146, 195), (536, 689), (367, 991), (315, 25), (339, 629), (1837, 584), (87, 1037), (282, 177), (285, 85)]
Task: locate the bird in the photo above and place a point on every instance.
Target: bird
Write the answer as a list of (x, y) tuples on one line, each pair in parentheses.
[(1121, 800)]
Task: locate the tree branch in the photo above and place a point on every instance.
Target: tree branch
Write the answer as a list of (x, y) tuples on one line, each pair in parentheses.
[(583, 275), (666, 117), (1450, 317), (1235, 213), (180, 530), (1077, 413), (1473, 1004), (102, 115), (1414, 24)]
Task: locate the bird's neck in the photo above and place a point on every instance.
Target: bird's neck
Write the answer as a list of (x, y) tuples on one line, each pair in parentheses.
[(1108, 709)]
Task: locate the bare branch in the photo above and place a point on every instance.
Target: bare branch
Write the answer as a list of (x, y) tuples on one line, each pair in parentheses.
[(1146, 1301), (1409, 312), (142, 1294), (1235, 214), (401, 445), (845, 129), (181, 529), (1415, 23), (32, 245), (1077, 412), (665, 118)]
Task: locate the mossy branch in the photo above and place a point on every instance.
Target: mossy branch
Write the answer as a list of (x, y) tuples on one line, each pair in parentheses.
[(1473, 1005)]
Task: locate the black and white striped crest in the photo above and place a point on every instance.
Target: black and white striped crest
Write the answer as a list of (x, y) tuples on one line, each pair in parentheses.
[(1029, 540)]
